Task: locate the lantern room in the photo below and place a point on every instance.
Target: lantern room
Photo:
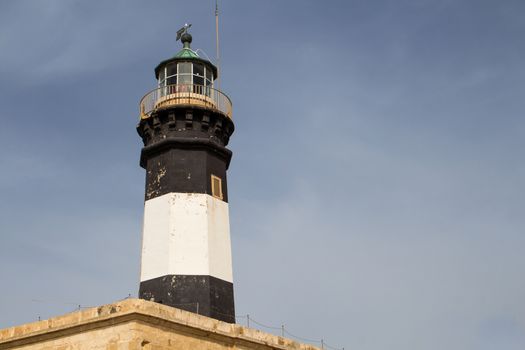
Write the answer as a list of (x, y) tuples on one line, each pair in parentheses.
[(186, 67), (186, 79)]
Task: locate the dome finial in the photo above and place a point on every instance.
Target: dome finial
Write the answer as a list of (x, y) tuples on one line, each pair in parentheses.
[(184, 36)]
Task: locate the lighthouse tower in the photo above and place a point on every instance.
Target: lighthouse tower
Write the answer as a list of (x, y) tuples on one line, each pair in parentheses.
[(185, 125)]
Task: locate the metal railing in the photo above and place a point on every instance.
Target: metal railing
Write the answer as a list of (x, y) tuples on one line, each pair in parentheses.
[(185, 94)]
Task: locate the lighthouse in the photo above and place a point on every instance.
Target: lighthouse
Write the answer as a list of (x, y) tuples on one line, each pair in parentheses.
[(185, 125)]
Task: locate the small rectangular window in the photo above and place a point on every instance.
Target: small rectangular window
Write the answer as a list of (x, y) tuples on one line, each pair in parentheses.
[(216, 187)]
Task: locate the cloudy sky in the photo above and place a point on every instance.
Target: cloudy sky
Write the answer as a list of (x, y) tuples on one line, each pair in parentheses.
[(377, 188)]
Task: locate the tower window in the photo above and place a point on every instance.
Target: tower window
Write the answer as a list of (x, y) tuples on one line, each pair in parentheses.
[(216, 187)]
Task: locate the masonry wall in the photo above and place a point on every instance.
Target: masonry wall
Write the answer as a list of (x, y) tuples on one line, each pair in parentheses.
[(136, 324)]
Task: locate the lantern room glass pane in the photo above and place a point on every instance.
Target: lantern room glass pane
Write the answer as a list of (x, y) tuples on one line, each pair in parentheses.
[(184, 79), (161, 74), (198, 80), (184, 68), (172, 80), (198, 69), (172, 69), (208, 74)]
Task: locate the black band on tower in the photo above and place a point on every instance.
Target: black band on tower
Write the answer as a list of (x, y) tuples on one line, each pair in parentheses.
[(205, 295), (179, 165)]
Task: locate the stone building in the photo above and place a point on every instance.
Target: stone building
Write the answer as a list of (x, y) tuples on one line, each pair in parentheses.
[(135, 324)]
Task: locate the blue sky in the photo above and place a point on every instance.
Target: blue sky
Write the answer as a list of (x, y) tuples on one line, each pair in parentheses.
[(377, 187)]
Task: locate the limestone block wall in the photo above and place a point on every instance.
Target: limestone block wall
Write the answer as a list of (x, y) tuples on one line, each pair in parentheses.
[(136, 324)]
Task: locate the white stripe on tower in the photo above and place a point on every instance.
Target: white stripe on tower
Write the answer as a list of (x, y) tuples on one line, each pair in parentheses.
[(186, 234)]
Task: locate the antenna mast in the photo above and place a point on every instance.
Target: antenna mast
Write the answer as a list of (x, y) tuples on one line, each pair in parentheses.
[(219, 78)]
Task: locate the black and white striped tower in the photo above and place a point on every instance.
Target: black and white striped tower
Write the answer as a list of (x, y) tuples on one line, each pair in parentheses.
[(185, 125)]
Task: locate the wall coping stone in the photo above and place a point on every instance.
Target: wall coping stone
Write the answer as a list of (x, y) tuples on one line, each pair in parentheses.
[(146, 312)]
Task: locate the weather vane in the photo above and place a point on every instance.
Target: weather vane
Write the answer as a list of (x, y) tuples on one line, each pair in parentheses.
[(182, 31)]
